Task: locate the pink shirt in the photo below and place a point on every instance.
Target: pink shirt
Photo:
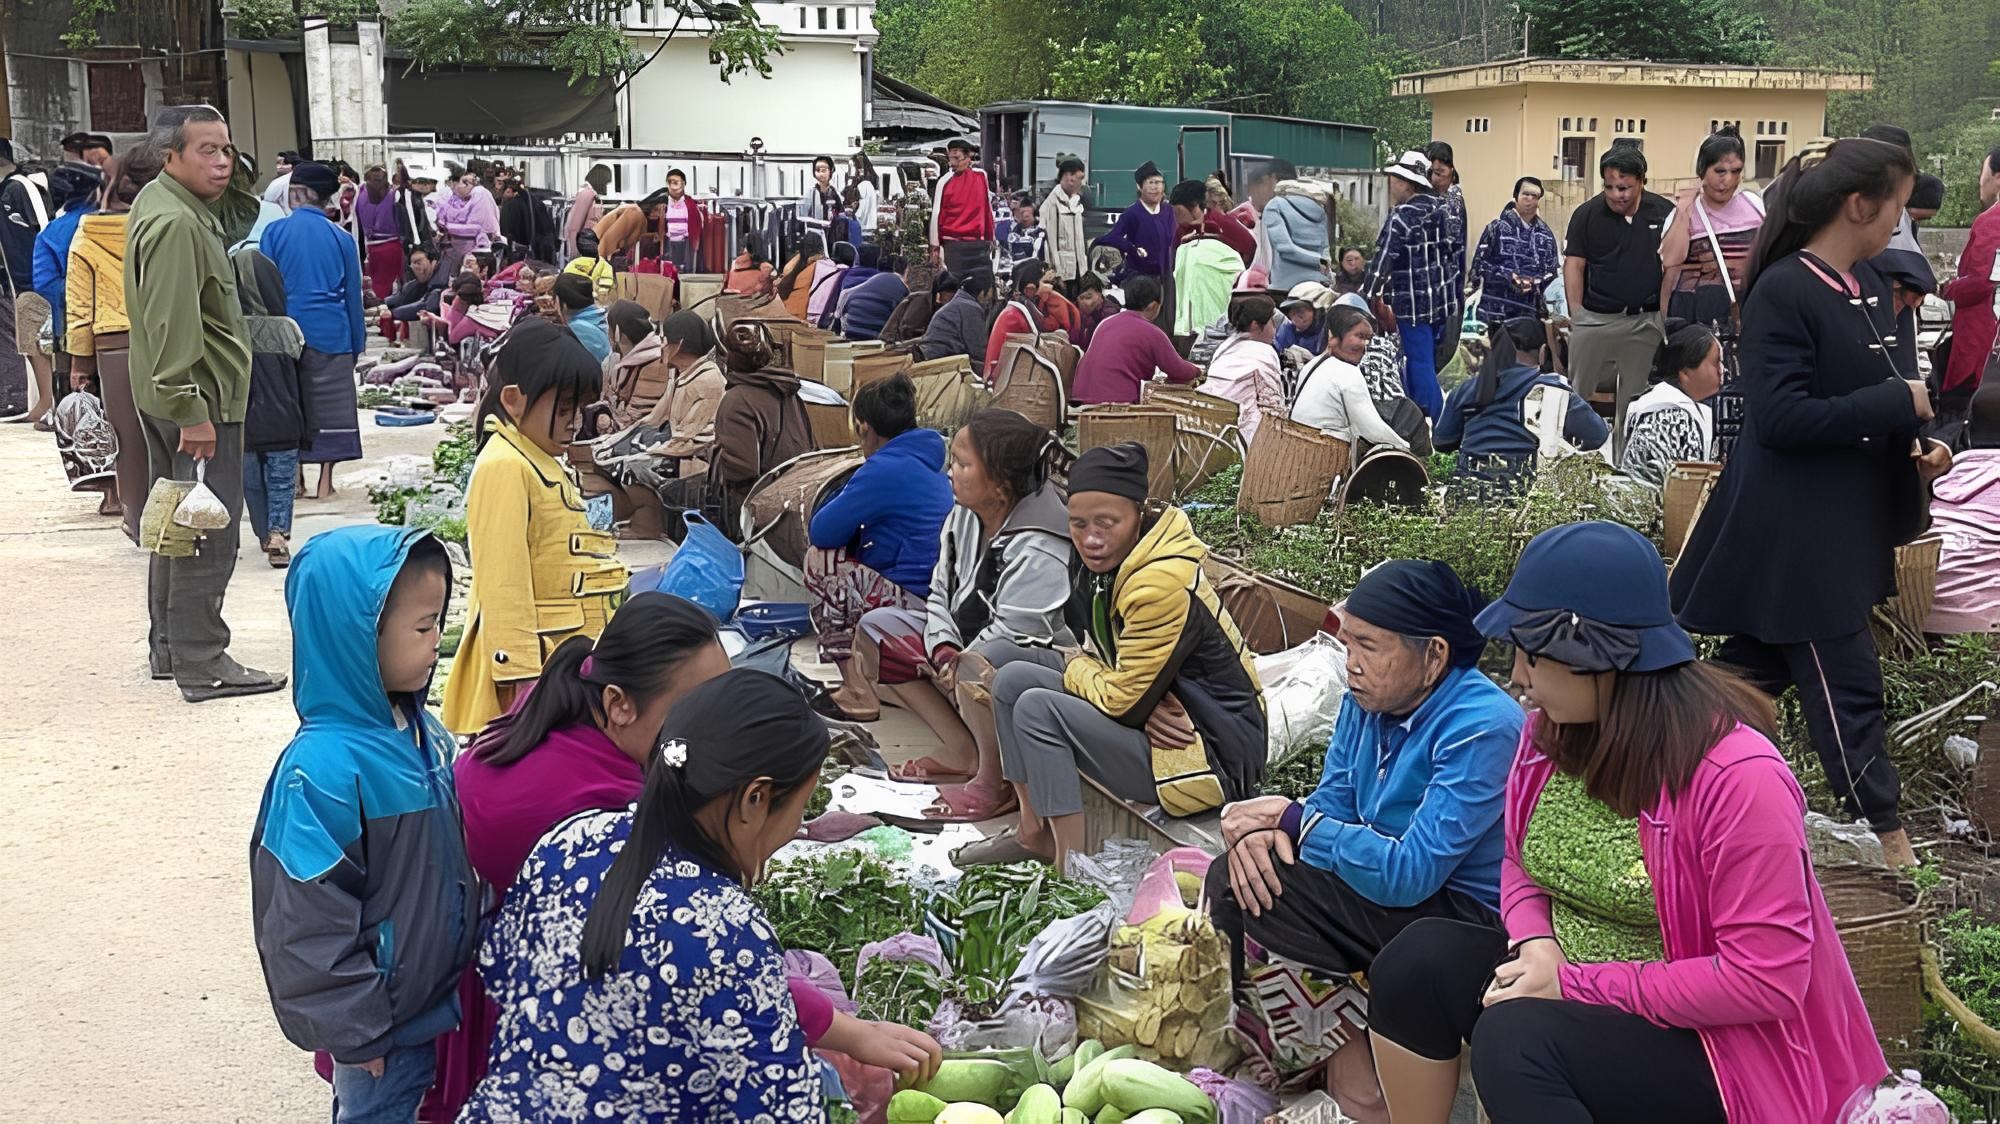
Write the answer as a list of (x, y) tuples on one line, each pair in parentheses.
[(1753, 962), (677, 219), (1965, 510)]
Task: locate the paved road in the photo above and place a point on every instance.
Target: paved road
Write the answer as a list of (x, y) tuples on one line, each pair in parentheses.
[(133, 992)]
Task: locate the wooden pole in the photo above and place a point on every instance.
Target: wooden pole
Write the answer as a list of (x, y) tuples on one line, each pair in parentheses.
[(6, 102)]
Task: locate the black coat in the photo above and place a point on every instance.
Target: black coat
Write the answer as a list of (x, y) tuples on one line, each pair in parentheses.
[(413, 221), (1798, 541), (277, 416)]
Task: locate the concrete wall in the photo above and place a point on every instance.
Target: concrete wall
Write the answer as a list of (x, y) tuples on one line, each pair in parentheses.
[(1525, 133), (810, 104), (261, 121)]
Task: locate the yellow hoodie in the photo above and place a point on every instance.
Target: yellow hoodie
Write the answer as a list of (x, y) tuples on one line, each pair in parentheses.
[(95, 290)]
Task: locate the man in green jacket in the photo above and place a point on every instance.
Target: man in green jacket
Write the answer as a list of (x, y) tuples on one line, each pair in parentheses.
[(191, 384)]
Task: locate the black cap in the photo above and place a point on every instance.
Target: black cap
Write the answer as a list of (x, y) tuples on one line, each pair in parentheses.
[(1145, 172), (1118, 469)]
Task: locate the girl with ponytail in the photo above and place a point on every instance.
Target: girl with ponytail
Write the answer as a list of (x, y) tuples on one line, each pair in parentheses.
[(635, 977), (1797, 544)]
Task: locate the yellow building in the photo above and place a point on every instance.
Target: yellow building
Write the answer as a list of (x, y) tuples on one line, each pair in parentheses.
[(1554, 118)]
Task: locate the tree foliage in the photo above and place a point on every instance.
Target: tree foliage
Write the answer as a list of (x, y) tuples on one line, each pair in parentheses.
[(582, 38), (1301, 58), (1701, 31)]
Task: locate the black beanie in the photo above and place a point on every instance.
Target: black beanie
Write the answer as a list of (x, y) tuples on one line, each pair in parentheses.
[(1145, 172), (1118, 469)]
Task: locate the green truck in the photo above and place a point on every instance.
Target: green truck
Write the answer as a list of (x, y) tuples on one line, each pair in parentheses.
[(1020, 143)]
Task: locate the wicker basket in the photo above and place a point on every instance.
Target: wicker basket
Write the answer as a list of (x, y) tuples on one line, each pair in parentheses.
[(1982, 795), (877, 365), (1289, 471), (1879, 925), (783, 332), (1152, 428), (1688, 482), (806, 349), (1916, 582), (1030, 384), (832, 426), (948, 393), (1272, 615), (1208, 440)]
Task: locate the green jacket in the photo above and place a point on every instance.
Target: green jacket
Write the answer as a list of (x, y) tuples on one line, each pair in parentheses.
[(190, 353)]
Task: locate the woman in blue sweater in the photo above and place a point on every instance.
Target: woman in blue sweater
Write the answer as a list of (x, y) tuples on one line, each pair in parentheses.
[(875, 543), (1491, 421)]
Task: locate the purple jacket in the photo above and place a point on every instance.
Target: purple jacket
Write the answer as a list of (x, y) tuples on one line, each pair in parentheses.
[(1753, 962), (474, 221)]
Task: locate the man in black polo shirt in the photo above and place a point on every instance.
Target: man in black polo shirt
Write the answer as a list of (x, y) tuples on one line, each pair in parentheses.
[(1611, 271)]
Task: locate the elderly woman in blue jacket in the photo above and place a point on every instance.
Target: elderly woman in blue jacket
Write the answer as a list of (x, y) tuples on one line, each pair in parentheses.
[(875, 543)]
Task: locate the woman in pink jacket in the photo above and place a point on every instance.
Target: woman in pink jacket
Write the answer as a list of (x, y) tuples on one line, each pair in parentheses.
[(1667, 955)]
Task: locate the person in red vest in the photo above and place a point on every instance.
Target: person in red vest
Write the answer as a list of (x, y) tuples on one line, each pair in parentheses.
[(962, 215)]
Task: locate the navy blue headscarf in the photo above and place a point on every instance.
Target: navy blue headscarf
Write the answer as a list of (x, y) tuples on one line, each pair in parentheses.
[(1422, 599)]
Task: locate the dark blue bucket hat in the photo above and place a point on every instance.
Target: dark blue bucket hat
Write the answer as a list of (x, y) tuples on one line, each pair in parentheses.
[(1593, 596)]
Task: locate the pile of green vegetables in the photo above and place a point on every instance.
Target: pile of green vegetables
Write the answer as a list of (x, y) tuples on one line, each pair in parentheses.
[(834, 903), (1090, 1084), (1958, 1070), (986, 921)]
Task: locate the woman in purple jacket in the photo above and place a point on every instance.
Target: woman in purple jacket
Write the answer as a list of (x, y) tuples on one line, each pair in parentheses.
[(1667, 954)]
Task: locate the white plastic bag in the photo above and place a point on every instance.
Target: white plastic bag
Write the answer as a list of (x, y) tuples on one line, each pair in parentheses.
[(202, 510), (1063, 958), (1303, 687)]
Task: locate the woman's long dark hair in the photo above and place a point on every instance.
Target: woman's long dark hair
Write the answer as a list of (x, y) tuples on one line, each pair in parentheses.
[(540, 358), (1654, 732), (649, 637), (1807, 196), (1684, 348), (734, 729), (1016, 453)]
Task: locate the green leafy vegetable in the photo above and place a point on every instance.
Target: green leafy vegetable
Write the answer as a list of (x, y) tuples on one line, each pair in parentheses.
[(833, 904), (993, 913)]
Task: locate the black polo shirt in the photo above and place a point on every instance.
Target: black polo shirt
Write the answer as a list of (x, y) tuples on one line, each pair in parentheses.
[(1621, 256)]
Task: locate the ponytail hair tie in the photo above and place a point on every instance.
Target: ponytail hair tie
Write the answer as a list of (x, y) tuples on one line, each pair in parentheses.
[(589, 666)]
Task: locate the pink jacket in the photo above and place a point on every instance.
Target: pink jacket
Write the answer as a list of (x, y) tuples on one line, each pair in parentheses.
[(1753, 962)]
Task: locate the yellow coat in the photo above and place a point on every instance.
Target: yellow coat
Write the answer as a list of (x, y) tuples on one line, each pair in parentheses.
[(94, 291), (540, 574)]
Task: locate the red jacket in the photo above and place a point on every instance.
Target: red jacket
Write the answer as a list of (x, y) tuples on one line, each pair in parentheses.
[(1058, 314), (1972, 323), (696, 216), (1012, 319), (1224, 227), (964, 210)]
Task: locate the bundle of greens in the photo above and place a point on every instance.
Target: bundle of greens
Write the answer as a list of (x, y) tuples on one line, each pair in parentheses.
[(834, 903), (454, 453), (987, 920), (899, 991)]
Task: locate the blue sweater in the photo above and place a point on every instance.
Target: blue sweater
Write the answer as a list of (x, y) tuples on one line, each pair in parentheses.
[(869, 308), (893, 508), (1495, 443), (1139, 228), (1314, 341), (1408, 807), (322, 272), (589, 328)]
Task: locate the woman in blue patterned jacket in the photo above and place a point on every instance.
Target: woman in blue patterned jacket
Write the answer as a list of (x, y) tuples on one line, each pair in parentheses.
[(1517, 257)]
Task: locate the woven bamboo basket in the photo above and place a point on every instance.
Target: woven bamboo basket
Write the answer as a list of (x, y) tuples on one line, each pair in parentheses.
[(1875, 914), (783, 332), (1982, 795), (837, 370), (1154, 429), (1688, 483), (1288, 472), (832, 426), (699, 287), (948, 393), (807, 351), (1916, 582), (1208, 439), (1272, 615), (1210, 410), (731, 307), (1030, 384), (781, 504), (877, 365)]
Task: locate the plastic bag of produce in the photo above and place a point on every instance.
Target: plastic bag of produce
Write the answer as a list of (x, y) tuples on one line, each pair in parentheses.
[(1046, 1023), (1165, 990), (1172, 882), (818, 971), (201, 509), (1303, 687), (1115, 869), (1064, 958), (1899, 1100)]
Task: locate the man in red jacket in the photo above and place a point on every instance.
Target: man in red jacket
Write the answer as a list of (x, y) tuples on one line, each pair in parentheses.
[(962, 215), (1973, 325), (1194, 218)]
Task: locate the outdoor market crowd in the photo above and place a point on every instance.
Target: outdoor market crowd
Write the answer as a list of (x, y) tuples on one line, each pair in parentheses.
[(533, 906)]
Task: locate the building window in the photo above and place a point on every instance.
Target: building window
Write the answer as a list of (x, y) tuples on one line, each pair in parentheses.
[(1617, 124), (1593, 124), (117, 98), (822, 19), (802, 19), (1770, 157), (1642, 124), (1565, 125), (840, 18), (1578, 159)]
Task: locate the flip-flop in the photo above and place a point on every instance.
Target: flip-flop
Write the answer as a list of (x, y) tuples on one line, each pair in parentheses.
[(1001, 847), (927, 770), (958, 807)]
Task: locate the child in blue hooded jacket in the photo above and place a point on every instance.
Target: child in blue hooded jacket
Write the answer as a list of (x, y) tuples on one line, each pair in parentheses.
[(365, 904)]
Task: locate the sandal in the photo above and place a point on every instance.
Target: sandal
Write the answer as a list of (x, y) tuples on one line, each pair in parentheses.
[(961, 803), (1001, 847), (927, 770), (825, 706), (278, 551)]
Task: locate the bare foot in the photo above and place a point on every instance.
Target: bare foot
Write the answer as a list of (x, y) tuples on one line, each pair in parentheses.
[(1896, 849)]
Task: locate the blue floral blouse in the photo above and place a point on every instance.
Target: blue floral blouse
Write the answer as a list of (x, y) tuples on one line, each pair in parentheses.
[(696, 1025)]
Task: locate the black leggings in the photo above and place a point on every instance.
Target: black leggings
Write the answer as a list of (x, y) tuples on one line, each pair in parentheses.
[(1535, 1061)]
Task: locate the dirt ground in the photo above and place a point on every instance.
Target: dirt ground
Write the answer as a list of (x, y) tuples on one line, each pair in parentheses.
[(133, 988)]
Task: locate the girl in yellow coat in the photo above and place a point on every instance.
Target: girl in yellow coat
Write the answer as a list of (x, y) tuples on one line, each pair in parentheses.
[(540, 574)]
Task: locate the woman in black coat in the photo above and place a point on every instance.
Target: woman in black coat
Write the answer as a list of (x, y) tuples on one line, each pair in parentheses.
[(1798, 542)]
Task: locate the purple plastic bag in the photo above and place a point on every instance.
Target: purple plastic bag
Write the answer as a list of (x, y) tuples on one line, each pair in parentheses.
[(818, 971), (1236, 1102), (900, 948)]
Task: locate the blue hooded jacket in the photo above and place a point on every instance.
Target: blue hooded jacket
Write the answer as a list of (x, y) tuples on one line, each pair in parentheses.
[(365, 905), (1494, 442), (894, 508)]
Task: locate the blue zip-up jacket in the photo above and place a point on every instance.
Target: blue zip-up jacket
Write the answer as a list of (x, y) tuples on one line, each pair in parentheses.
[(1495, 443), (1313, 341), (894, 507), (322, 272), (870, 305), (52, 260), (1296, 228), (1511, 248), (1408, 807), (365, 905)]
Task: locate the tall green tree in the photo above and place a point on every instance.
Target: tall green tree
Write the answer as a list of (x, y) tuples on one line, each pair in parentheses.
[(1703, 31), (580, 37)]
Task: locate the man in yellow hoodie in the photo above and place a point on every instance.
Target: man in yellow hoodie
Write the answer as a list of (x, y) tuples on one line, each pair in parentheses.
[(1164, 708)]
